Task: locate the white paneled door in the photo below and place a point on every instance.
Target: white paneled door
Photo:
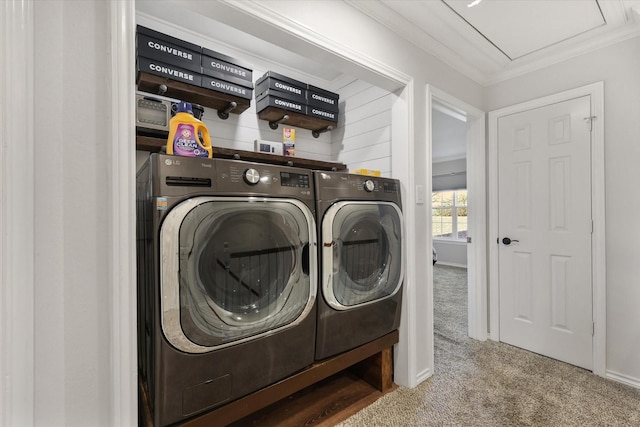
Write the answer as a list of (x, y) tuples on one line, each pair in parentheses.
[(545, 227)]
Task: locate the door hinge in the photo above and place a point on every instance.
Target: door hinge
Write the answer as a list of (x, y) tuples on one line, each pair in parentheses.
[(589, 121), (593, 329)]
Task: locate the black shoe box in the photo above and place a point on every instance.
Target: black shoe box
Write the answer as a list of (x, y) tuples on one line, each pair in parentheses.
[(282, 100), (322, 113), (224, 86), (323, 99), (224, 67), (161, 47), (146, 65), (274, 82)]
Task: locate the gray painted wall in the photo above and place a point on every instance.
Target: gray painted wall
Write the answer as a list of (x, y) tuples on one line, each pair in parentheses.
[(451, 253)]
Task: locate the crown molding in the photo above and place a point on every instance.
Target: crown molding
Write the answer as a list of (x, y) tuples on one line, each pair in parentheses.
[(407, 30), (467, 52), (558, 54)]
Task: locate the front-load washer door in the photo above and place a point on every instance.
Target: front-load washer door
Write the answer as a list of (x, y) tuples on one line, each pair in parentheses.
[(235, 269), (362, 253)]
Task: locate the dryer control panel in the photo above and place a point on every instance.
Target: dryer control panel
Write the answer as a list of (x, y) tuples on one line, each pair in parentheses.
[(341, 186)]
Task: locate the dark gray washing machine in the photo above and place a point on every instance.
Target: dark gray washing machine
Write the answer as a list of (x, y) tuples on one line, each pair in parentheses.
[(227, 280), (360, 261)]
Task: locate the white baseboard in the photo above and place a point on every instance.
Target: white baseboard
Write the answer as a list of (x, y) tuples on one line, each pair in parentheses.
[(624, 379), (424, 375), (451, 264)]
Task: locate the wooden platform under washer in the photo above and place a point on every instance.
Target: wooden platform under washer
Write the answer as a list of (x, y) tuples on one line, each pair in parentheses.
[(322, 395)]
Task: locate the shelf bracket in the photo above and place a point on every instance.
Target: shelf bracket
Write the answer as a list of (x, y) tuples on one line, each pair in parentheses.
[(316, 133), (224, 114), (274, 124)]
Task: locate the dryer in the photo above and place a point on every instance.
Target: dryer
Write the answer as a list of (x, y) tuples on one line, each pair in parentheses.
[(361, 260), (227, 280)]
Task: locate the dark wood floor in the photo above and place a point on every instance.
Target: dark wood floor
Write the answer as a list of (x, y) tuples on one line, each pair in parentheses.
[(324, 404)]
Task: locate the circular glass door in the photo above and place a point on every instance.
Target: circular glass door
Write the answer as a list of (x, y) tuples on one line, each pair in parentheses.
[(362, 253), (235, 269)]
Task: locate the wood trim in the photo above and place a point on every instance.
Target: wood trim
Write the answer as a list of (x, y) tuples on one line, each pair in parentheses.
[(323, 404), (377, 370), (273, 114), (185, 92), (157, 144)]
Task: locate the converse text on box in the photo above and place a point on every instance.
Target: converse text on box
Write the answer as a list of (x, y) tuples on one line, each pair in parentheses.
[(323, 99), (146, 65), (226, 87)]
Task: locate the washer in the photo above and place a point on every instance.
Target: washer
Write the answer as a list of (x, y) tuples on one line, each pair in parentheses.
[(361, 260), (227, 280)]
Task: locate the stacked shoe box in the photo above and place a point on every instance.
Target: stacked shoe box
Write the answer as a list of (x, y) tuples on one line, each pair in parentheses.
[(225, 74), (276, 90), (322, 104), (166, 56)]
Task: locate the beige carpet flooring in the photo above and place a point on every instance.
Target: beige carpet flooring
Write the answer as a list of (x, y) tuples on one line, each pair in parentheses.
[(493, 384)]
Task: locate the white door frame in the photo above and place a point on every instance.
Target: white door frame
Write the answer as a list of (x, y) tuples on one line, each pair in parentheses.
[(122, 248), (476, 167), (17, 216), (598, 256)]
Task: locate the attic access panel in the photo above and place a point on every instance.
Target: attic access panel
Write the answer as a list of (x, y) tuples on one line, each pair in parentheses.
[(519, 28)]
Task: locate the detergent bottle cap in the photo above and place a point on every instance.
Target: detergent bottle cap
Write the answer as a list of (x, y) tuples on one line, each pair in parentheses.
[(184, 107)]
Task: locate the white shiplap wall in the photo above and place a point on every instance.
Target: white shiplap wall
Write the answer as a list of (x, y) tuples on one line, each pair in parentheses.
[(363, 139)]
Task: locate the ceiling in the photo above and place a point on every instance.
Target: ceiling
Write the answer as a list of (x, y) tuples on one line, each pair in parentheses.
[(494, 40)]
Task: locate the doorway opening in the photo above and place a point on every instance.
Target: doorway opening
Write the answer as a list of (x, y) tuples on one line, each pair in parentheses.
[(458, 189), (449, 222)]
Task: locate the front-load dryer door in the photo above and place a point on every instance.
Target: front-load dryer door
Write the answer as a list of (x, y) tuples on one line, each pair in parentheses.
[(235, 269), (361, 253)]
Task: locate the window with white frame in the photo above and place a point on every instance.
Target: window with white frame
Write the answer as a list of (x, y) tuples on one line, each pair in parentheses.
[(449, 215)]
